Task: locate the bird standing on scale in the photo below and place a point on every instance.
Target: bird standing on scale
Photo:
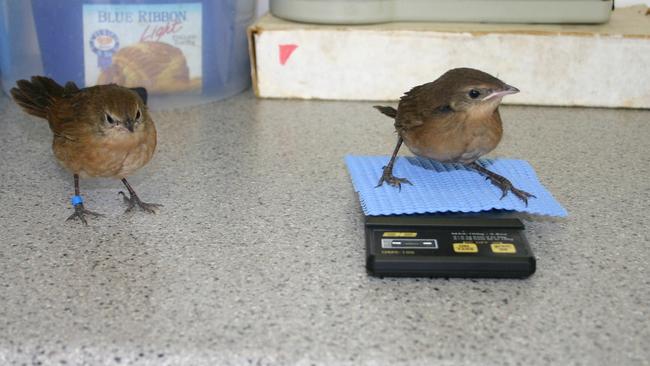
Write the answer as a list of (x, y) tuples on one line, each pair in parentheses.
[(100, 131), (454, 119)]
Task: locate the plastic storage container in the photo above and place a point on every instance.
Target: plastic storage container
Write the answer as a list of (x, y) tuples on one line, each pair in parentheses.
[(183, 51), (497, 11)]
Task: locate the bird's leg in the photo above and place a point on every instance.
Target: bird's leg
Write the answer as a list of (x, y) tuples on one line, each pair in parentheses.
[(387, 175), (78, 204), (502, 183), (134, 200)]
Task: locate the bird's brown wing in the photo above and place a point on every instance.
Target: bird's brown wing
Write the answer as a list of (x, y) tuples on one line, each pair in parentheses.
[(419, 104), (70, 88), (69, 118)]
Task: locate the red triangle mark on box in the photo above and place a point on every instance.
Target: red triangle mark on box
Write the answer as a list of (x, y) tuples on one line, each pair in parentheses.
[(285, 52)]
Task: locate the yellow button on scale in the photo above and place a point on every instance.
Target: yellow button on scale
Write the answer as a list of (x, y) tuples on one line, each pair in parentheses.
[(465, 248), (400, 234), (503, 248)]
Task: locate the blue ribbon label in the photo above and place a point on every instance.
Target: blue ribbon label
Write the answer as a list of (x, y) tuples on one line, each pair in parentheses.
[(104, 44), (145, 44)]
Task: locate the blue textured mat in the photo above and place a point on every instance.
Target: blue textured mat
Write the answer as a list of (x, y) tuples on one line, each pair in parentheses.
[(441, 187)]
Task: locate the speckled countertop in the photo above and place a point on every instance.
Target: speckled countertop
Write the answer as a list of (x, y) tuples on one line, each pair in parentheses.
[(257, 257)]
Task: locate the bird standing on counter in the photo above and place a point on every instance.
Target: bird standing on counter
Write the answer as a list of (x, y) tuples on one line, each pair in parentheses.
[(100, 131), (454, 119)]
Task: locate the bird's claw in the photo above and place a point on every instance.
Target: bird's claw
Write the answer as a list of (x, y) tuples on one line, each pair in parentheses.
[(392, 180), (80, 212), (506, 186), (134, 201), (523, 195)]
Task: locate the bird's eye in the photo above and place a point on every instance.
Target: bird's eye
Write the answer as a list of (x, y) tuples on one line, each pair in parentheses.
[(138, 114), (474, 93), (109, 119)]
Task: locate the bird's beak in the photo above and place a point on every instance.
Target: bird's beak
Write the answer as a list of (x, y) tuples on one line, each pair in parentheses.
[(500, 93), (129, 124)]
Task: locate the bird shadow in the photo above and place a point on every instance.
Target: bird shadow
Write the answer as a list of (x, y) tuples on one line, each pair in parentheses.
[(437, 166)]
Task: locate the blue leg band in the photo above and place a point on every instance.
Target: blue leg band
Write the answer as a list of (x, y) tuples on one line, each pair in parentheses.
[(76, 200)]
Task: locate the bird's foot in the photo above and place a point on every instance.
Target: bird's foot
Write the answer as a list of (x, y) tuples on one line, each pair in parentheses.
[(134, 201), (506, 186), (388, 177), (80, 213)]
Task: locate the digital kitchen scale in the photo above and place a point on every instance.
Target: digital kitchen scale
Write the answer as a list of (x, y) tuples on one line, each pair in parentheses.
[(447, 245)]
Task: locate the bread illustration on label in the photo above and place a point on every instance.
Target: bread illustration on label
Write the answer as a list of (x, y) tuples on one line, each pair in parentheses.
[(159, 67)]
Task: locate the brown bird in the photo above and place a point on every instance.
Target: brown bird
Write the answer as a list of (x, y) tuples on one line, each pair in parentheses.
[(100, 131), (454, 119)]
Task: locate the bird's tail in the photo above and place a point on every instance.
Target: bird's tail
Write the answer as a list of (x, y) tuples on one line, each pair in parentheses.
[(38, 95), (389, 111)]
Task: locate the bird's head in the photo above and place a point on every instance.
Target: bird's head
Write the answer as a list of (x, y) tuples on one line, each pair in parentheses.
[(472, 90), (121, 110)]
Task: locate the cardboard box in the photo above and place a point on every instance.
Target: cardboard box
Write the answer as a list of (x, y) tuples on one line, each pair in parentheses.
[(562, 65)]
